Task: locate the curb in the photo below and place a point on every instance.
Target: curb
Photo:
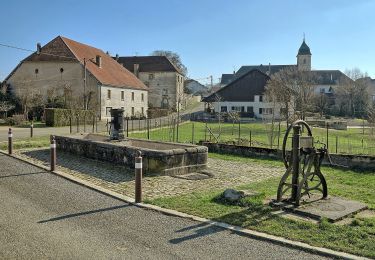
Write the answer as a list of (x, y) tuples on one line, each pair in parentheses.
[(236, 229)]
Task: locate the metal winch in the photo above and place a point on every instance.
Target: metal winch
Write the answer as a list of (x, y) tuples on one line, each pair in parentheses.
[(303, 176)]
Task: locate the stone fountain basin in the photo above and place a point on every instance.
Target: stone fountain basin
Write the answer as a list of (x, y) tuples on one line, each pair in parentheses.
[(163, 158)]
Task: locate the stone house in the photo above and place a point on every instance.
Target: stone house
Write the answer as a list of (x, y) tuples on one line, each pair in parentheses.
[(164, 79), (84, 76)]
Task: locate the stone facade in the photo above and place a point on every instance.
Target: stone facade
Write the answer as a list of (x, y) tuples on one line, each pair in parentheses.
[(158, 157), (164, 88)]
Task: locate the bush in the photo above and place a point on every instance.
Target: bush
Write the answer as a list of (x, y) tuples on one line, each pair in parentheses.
[(61, 117), (15, 120)]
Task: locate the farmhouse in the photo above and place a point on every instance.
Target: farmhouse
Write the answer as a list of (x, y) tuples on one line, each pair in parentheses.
[(83, 76), (244, 95), (164, 79)]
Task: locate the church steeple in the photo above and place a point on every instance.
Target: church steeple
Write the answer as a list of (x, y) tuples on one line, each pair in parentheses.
[(304, 57)]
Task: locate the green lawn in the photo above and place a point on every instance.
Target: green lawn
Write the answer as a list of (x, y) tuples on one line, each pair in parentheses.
[(356, 237), (35, 142), (352, 141)]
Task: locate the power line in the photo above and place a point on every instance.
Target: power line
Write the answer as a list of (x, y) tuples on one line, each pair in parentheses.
[(15, 47), (44, 53)]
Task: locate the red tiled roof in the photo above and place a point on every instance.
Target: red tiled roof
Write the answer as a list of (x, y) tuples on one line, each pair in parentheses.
[(110, 73)]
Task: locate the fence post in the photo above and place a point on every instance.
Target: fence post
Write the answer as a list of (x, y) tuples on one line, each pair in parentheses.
[(192, 133), (70, 124), (10, 141), (250, 138), (139, 124), (53, 153), (77, 124), (138, 177), (32, 129), (93, 123), (327, 135), (96, 125), (239, 131), (132, 124), (127, 127), (337, 142), (84, 123), (205, 133), (148, 129)]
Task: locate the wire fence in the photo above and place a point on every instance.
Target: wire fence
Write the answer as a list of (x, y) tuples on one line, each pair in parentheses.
[(181, 129)]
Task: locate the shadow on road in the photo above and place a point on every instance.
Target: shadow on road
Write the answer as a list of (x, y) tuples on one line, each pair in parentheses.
[(205, 229), (82, 213), (21, 174)]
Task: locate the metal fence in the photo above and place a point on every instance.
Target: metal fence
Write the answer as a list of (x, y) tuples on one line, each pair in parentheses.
[(258, 134)]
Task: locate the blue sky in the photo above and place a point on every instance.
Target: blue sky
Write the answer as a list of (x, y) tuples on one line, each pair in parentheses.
[(212, 37)]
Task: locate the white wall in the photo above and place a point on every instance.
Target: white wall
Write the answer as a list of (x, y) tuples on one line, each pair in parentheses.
[(127, 104), (256, 106)]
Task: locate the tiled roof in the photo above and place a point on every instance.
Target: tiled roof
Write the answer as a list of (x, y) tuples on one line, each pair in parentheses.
[(110, 73), (241, 89), (328, 77), (263, 68), (226, 78), (148, 63)]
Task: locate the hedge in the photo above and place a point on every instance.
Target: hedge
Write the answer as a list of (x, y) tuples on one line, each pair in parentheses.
[(61, 117)]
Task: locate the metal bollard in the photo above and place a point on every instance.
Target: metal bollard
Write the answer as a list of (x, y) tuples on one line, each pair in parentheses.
[(53, 153), (138, 177), (32, 129), (10, 141)]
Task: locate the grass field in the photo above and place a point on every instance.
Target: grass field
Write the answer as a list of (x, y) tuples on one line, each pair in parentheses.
[(356, 237), (351, 141)]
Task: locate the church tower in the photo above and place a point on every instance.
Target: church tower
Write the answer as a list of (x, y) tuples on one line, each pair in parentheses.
[(304, 57)]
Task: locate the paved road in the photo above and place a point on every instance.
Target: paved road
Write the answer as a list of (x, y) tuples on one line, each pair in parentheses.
[(21, 133), (44, 216)]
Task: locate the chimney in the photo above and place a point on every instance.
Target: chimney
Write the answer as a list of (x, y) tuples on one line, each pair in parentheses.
[(117, 57), (99, 61), (269, 69), (136, 70)]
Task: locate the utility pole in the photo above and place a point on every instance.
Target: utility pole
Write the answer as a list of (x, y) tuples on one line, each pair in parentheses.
[(84, 84)]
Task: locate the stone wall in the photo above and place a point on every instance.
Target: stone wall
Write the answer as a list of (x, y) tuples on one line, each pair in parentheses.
[(171, 159), (347, 160), (164, 87)]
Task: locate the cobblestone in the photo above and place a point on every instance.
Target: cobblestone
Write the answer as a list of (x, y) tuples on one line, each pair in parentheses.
[(227, 174)]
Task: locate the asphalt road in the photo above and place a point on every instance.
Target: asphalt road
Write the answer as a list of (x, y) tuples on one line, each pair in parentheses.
[(21, 133), (44, 216)]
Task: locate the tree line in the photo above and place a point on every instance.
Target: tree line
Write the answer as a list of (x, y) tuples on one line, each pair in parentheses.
[(295, 90)]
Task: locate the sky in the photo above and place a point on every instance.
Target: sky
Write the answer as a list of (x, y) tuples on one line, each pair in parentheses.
[(211, 36)]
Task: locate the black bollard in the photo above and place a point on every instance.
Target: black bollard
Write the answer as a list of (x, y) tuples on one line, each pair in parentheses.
[(53, 153), (138, 177)]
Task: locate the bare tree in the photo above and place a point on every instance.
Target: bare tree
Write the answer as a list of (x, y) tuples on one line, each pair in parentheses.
[(173, 57), (352, 94), (291, 87), (6, 106)]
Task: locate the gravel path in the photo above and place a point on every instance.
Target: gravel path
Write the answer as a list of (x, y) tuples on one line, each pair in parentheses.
[(120, 179)]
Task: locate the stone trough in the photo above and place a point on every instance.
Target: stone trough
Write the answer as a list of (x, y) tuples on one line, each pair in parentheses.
[(162, 158)]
